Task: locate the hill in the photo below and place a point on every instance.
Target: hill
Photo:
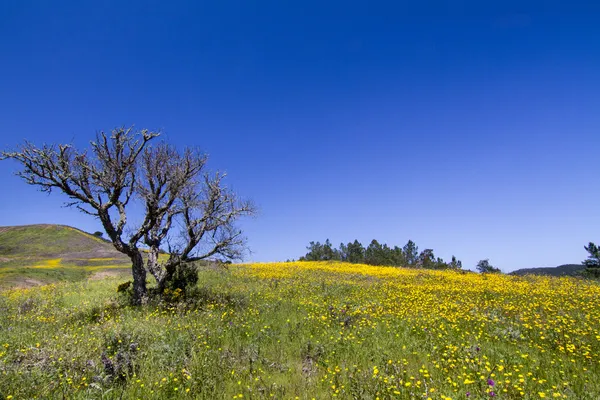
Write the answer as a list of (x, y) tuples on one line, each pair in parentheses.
[(561, 270), (37, 254), (46, 241)]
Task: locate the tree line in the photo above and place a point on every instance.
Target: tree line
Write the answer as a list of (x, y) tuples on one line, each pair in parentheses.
[(378, 254), (375, 253)]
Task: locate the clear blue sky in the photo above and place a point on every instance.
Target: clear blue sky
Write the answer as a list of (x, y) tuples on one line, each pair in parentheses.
[(471, 130)]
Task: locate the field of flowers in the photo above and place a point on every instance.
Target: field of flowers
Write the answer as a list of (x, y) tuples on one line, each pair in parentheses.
[(308, 330)]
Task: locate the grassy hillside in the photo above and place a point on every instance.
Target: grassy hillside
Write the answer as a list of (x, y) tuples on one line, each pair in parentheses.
[(37, 254), (308, 330), (51, 241), (561, 270)]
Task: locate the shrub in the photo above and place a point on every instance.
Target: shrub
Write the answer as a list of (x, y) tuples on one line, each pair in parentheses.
[(125, 293), (119, 357), (184, 278), (123, 287), (173, 296)]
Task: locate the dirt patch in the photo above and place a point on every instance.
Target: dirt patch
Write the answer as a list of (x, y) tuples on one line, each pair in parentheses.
[(99, 253), (26, 283), (34, 282), (103, 275)]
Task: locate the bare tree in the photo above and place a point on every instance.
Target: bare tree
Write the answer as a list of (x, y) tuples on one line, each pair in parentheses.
[(185, 207)]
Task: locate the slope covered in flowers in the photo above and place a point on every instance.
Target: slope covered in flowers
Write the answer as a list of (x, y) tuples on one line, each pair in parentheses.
[(309, 330)]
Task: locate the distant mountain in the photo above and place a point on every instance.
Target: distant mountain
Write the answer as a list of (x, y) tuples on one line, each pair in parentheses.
[(561, 270)]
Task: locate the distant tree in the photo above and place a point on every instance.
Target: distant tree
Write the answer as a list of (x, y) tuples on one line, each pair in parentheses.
[(592, 263), (387, 255), (440, 264), (355, 252), (98, 234), (184, 206), (342, 252), (374, 254), (321, 252), (454, 264), (315, 252), (411, 253), (485, 267), (397, 257), (329, 253), (426, 259)]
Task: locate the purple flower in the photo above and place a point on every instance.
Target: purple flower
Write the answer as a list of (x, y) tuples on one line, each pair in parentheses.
[(491, 383), (477, 348), (492, 394), (468, 394)]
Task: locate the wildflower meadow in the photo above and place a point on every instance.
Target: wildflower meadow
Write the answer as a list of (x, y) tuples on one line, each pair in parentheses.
[(307, 330)]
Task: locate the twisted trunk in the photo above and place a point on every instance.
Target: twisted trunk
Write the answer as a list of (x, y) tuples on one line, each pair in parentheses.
[(162, 276), (140, 292), (153, 264)]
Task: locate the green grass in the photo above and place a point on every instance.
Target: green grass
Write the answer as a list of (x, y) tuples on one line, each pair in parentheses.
[(40, 254), (287, 332), (46, 241), (27, 272), (27, 276)]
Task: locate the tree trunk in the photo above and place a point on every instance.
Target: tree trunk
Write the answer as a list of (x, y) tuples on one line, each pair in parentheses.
[(163, 273), (170, 268), (153, 265), (140, 292)]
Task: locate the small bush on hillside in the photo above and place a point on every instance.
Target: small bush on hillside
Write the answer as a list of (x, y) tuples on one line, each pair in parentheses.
[(173, 296), (311, 355), (119, 356), (100, 312), (27, 305), (125, 293), (123, 287), (185, 279)]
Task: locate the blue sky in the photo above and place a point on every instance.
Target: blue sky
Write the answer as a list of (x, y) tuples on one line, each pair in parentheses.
[(468, 128)]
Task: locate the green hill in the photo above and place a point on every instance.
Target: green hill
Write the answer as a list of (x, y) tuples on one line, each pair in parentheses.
[(51, 241), (37, 254), (561, 270)]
